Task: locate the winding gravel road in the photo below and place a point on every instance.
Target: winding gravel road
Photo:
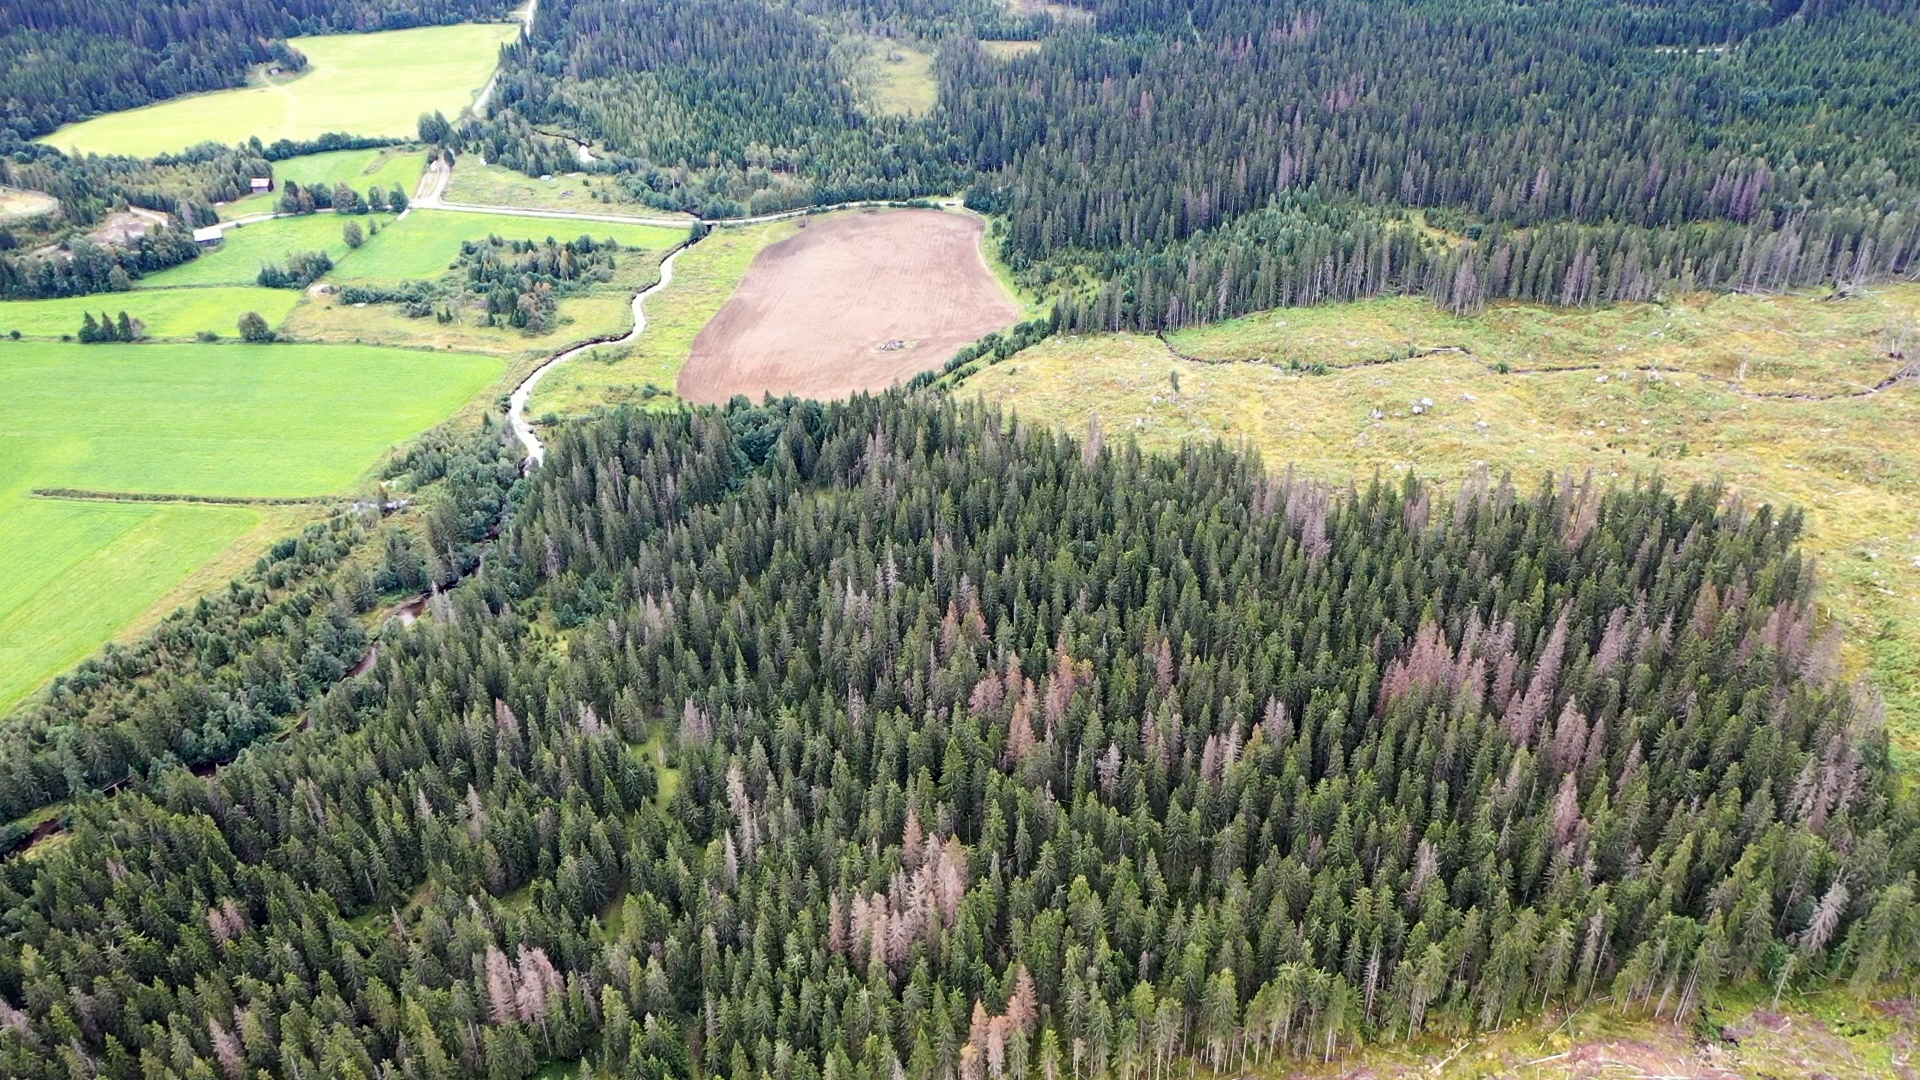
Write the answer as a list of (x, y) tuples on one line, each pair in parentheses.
[(517, 403)]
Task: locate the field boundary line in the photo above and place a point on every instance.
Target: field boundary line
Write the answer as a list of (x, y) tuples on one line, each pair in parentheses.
[(92, 495)]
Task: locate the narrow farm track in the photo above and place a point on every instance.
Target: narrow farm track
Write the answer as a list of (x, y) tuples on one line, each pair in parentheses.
[(1904, 373), (517, 403), (525, 17)]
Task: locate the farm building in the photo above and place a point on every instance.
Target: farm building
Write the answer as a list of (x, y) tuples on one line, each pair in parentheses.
[(260, 184)]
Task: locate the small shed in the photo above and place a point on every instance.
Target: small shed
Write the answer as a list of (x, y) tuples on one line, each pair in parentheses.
[(260, 184), (209, 235)]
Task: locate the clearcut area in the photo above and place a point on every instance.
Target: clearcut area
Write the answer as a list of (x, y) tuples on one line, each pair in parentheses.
[(356, 84)]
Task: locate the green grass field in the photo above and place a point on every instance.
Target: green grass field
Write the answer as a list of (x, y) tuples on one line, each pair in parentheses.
[(1694, 391), (359, 84), (427, 242), (170, 314), (703, 277), (358, 169), (238, 259), (231, 419), (899, 79), (606, 311), (492, 185), (275, 420), (78, 572)]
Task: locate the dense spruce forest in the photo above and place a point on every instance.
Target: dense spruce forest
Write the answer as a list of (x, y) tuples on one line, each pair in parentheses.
[(724, 108), (1171, 163), (898, 738), (62, 61), (1157, 164)]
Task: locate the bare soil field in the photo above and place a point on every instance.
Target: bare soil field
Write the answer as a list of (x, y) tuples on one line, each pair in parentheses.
[(19, 204), (855, 301), (126, 226)]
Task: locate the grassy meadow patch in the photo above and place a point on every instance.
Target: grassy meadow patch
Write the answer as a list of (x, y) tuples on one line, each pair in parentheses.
[(1008, 50), (358, 84), (222, 420), (492, 185), (245, 248), (1064, 14), (1766, 344), (900, 78), (358, 169), (427, 242), (606, 311), (1847, 460), (170, 314), (703, 277)]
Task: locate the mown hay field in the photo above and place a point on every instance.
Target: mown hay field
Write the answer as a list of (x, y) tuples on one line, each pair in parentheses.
[(427, 242), (1772, 395), (357, 84), (360, 170), (79, 571), (170, 314), (220, 420)]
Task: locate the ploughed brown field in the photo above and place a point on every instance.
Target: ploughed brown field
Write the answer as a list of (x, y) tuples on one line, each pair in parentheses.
[(855, 301)]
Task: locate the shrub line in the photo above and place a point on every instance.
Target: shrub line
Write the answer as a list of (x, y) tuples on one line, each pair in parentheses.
[(91, 495)]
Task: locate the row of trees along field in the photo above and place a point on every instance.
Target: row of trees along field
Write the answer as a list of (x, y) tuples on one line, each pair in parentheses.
[(340, 198), (890, 738), (1203, 158), (61, 61)]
